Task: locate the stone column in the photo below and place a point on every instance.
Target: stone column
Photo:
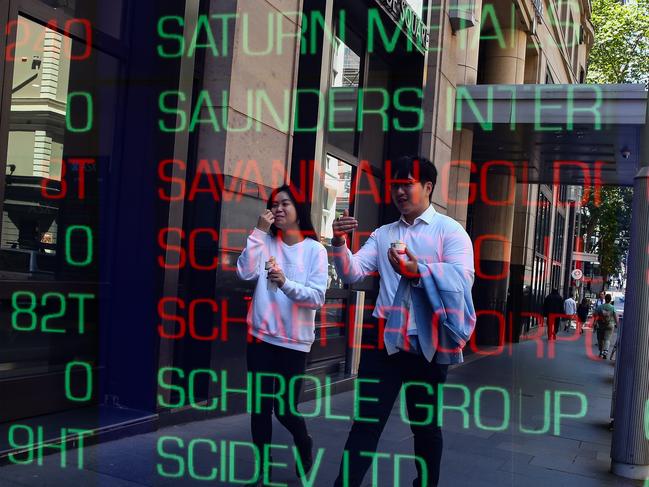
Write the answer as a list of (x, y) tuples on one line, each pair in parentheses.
[(630, 450), (520, 269), (492, 237), (506, 63), (503, 65)]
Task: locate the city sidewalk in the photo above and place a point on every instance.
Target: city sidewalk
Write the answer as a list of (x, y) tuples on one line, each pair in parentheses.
[(568, 451)]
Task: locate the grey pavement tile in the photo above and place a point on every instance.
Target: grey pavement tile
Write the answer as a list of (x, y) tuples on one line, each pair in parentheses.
[(8, 483), (585, 467), (465, 476), (138, 467), (456, 426), (473, 457), (594, 433), (552, 476), (477, 461), (589, 454), (50, 474), (540, 442), (598, 447)]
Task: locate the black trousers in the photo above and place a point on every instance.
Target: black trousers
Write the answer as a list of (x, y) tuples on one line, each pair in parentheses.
[(284, 362), (392, 372)]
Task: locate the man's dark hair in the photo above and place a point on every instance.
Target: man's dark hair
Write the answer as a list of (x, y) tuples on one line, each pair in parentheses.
[(421, 169), (302, 209), (608, 298)]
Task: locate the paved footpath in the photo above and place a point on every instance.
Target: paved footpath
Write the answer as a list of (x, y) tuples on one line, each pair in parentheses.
[(534, 447)]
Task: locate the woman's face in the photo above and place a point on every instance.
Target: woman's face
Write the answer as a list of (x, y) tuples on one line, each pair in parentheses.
[(284, 211)]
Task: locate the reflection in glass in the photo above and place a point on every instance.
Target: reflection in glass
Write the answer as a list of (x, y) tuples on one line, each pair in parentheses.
[(32, 233), (346, 66), (329, 325), (35, 149), (343, 94), (105, 16), (417, 7), (67, 6), (337, 190)]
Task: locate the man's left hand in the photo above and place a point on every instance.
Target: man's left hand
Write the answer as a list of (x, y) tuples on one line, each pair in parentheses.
[(406, 268)]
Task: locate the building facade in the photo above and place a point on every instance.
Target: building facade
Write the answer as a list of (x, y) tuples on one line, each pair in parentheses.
[(126, 205)]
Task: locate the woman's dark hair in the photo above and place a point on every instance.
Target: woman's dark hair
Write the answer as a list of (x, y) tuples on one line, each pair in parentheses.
[(302, 209), (421, 168), (585, 301)]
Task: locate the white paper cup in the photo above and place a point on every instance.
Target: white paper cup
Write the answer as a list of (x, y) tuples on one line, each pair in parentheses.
[(400, 247), (270, 286)]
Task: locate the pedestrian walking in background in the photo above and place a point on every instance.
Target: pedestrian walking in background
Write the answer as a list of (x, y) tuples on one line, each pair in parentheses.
[(606, 323), (582, 312), (290, 267), (570, 309), (598, 302), (552, 311)]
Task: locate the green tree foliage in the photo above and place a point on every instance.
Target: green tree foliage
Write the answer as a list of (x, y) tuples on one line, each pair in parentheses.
[(620, 53), (606, 227)]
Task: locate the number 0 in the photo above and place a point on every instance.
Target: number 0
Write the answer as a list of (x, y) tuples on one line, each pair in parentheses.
[(68, 237), (89, 111), (68, 389)]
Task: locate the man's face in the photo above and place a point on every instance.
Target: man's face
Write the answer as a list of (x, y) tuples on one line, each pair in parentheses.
[(411, 196)]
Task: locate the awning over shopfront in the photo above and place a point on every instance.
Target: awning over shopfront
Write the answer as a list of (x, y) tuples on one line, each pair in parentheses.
[(596, 130)]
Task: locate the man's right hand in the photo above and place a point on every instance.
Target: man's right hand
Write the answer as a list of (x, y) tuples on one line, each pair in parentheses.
[(342, 226), (266, 219)]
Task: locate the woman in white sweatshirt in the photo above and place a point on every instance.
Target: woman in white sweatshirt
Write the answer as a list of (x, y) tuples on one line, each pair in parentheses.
[(290, 267)]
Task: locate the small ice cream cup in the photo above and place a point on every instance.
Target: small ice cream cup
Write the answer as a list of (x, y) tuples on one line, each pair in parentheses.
[(399, 246), (270, 263)]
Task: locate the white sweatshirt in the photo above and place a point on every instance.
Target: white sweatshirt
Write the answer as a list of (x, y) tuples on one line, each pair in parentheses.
[(286, 317)]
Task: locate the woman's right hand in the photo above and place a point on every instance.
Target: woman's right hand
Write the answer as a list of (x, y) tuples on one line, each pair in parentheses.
[(265, 220)]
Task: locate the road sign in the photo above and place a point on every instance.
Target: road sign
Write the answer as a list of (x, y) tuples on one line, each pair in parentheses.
[(577, 274)]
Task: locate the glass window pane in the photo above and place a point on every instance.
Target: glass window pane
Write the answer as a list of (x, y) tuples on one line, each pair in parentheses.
[(47, 159), (67, 6), (52, 136), (343, 93), (346, 66), (417, 7), (329, 325), (35, 149), (337, 191), (105, 16)]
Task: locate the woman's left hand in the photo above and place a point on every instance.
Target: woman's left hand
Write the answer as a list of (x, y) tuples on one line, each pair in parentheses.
[(276, 275)]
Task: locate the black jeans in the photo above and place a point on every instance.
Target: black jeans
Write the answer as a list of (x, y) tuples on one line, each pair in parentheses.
[(393, 371), (287, 363)]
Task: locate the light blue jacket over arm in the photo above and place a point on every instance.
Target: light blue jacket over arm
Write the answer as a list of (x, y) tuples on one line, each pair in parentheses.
[(442, 303)]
